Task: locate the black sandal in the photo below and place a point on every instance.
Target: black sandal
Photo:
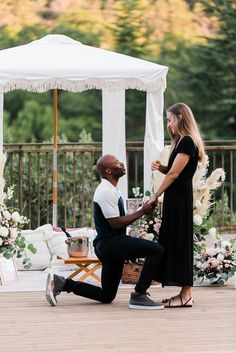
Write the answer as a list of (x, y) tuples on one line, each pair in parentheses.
[(182, 305)]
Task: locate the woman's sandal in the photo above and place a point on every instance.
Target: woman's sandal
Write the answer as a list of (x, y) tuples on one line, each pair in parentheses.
[(168, 302)]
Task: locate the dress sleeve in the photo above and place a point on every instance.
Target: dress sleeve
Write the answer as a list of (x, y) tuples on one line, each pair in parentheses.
[(187, 146)]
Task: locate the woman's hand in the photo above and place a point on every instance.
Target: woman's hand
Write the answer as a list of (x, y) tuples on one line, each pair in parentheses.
[(155, 165), (153, 199)]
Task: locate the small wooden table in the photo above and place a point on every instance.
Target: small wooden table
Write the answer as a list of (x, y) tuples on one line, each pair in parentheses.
[(83, 264)]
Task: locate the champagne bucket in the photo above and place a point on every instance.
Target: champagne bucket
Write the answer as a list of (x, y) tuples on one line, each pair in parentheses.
[(78, 246)]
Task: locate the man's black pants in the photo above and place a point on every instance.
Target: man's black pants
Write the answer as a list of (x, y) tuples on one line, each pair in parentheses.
[(113, 254)]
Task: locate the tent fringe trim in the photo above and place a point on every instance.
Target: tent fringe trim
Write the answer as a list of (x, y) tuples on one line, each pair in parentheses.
[(83, 85)]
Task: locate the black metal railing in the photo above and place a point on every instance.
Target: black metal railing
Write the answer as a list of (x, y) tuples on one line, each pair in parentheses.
[(29, 168)]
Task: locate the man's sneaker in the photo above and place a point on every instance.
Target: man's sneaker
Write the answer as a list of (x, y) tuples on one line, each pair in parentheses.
[(54, 287), (141, 301)]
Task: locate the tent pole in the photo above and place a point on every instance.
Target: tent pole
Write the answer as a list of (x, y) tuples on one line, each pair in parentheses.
[(54, 209)]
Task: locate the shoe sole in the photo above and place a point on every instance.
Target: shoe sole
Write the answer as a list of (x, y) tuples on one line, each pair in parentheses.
[(49, 294), (148, 307)]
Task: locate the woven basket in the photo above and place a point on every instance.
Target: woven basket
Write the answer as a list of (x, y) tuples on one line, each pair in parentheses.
[(131, 273)]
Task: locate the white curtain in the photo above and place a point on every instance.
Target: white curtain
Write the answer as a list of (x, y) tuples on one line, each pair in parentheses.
[(154, 134), (1, 124), (113, 130)]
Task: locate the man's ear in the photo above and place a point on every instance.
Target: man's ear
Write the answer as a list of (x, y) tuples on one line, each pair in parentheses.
[(108, 171)]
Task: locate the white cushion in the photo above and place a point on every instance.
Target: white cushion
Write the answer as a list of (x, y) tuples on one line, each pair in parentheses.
[(57, 245), (37, 237), (44, 232), (40, 260)]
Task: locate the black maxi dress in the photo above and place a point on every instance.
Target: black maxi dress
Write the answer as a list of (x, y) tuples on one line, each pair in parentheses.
[(176, 232)]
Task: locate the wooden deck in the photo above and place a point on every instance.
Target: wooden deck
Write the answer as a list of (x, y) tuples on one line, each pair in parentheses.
[(78, 325)]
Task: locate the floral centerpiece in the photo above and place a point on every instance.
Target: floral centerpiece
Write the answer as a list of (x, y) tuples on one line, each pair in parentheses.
[(11, 222), (215, 264), (11, 241)]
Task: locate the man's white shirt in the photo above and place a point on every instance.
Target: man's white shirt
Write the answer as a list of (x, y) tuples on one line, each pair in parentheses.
[(107, 197)]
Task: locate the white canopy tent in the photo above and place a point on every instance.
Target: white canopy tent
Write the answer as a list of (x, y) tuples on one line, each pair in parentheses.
[(59, 62)]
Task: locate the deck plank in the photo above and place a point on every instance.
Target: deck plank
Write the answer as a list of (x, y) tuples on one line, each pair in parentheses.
[(78, 325)]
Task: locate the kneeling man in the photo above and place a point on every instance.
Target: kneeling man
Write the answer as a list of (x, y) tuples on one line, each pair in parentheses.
[(112, 246)]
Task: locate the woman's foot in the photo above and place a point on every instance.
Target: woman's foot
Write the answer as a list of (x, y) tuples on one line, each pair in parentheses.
[(167, 300), (178, 302)]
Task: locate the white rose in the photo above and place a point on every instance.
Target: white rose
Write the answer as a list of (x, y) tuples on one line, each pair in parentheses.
[(225, 243), (6, 215), (197, 219), (220, 257), (199, 264), (149, 236), (212, 232), (4, 232), (198, 204), (13, 232), (1, 241), (16, 216), (211, 252)]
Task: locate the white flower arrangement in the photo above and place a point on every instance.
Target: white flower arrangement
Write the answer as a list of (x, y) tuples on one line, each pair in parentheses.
[(11, 222), (215, 264), (11, 241)]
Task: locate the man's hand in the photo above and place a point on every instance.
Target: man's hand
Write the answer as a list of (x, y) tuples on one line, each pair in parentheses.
[(148, 207)]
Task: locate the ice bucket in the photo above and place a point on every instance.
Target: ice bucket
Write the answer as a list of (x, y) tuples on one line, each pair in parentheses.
[(78, 246)]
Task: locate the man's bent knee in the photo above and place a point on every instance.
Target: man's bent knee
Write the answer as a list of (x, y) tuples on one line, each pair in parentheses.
[(107, 298)]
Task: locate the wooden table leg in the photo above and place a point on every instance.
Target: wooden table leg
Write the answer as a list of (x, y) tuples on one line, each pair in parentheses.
[(88, 271)]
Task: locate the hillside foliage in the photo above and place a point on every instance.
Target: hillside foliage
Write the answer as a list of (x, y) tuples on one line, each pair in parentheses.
[(196, 39)]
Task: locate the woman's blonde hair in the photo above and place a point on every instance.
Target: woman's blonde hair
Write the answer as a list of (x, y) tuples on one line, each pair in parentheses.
[(187, 126)]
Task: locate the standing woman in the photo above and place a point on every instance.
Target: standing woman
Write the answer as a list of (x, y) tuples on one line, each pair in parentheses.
[(176, 232)]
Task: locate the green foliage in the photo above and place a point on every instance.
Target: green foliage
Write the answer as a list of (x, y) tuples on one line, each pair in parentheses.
[(227, 217), (77, 179), (212, 75), (202, 75), (33, 123), (132, 30), (80, 111)]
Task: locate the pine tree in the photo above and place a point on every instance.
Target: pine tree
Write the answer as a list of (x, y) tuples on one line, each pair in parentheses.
[(212, 76)]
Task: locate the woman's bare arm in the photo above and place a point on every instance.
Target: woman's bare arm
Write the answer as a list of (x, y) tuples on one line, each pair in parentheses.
[(179, 163)]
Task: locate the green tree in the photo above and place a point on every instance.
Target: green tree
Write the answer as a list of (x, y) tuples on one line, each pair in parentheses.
[(132, 32), (212, 76), (81, 110), (33, 123)]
